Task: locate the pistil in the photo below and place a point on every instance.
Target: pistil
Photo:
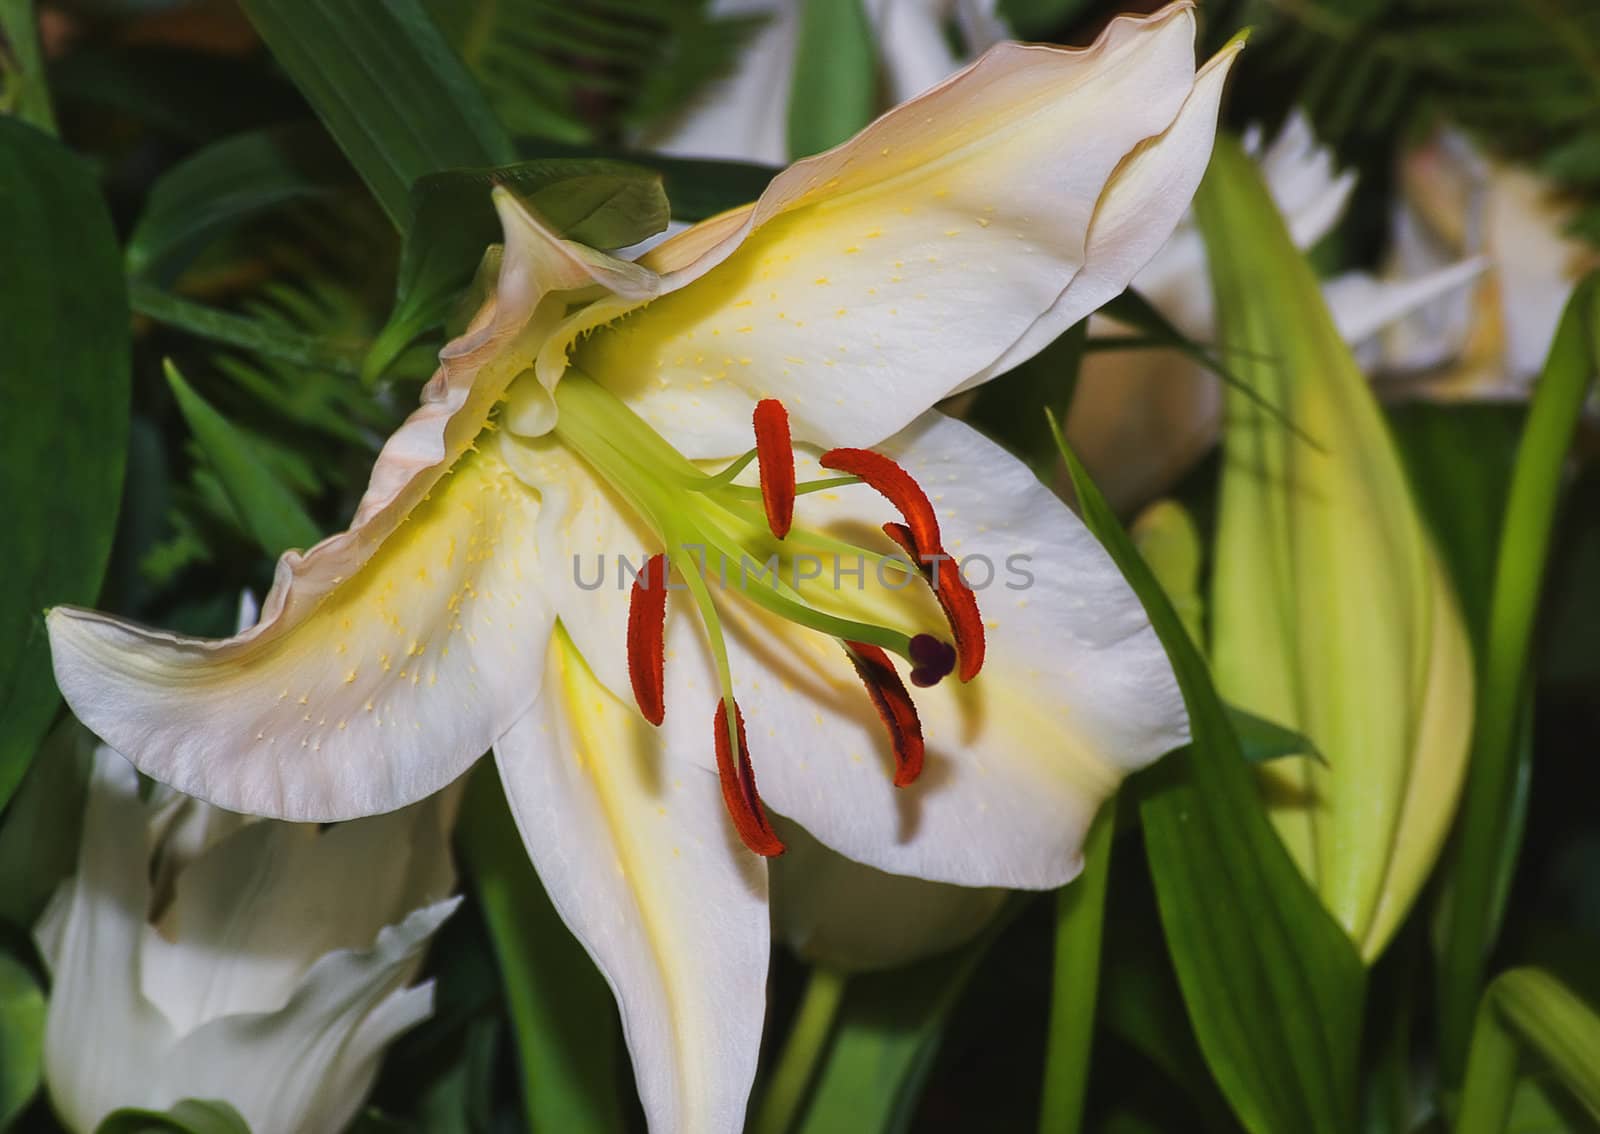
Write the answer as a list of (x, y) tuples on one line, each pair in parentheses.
[(706, 522)]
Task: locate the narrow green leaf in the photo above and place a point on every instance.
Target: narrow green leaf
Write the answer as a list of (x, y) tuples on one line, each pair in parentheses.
[(388, 87), (23, 92), (1484, 824), (191, 1116), (227, 182), (1080, 924), (886, 1038), (64, 378), (1273, 985), (1142, 1005), (1261, 740), (244, 332), (605, 204), (835, 87), (270, 512), (1532, 1010), (1156, 330), (566, 1024), (21, 1038)]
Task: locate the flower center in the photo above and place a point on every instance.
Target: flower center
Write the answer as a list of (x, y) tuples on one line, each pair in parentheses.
[(732, 541)]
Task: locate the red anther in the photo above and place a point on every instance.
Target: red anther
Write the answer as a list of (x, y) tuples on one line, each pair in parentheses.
[(775, 458), (647, 658), (961, 611), (894, 707), (956, 599), (739, 788), (894, 484)]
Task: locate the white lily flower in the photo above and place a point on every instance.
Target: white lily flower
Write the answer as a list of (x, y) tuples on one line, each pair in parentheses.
[(1142, 418), (268, 965), (746, 116), (589, 411), (1490, 340)]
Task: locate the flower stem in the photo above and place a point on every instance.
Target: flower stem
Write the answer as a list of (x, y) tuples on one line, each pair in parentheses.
[(802, 1051), (1080, 918)]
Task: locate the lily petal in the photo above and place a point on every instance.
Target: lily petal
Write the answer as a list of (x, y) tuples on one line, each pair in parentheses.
[(836, 293), (381, 693), (90, 939), (663, 895), (313, 1062), (1076, 693), (256, 911), (1141, 206), (428, 599), (585, 535)]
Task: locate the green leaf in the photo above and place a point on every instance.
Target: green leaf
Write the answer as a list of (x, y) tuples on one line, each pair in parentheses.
[(270, 512), (1261, 740), (1459, 458), (1080, 923), (605, 204), (886, 1038), (1158, 331), (698, 187), (1042, 19), (227, 182), (1485, 820), (21, 1038), (1273, 985), (191, 1116), (64, 378), (245, 332), (39, 834), (835, 88), (22, 82), (1528, 1009), (386, 84), (562, 1012)]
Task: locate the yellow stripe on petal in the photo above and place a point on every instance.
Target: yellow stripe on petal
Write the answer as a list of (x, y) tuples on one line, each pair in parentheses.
[(638, 856), (873, 279), (375, 695)]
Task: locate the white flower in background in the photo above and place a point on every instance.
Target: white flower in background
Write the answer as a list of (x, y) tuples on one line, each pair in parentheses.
[(598, 407), (200, 954), (745, 117), (1490, 340), (1141, 418)]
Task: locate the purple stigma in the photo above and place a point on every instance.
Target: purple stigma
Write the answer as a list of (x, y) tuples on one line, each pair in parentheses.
[(931, 660)]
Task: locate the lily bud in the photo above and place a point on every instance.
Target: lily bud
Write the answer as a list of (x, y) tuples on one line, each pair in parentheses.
[(267, 965), (1331, 612), (852, 918)]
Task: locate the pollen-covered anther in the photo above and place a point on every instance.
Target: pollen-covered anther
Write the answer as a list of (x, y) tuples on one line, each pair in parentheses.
[(647, 616), (895, 485), (956, 599), (775, 458), (739, 786), (894, 705)]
